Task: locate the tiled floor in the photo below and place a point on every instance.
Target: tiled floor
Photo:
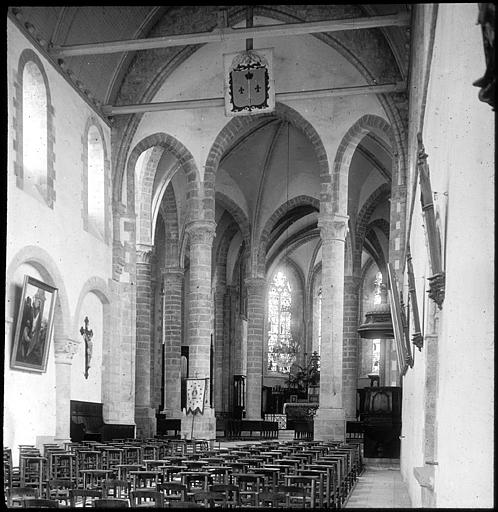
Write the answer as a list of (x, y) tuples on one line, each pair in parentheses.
[(380, 486)]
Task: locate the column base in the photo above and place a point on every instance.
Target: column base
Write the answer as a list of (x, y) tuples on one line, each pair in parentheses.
[(330, 425), (204, 425), (145, 420)]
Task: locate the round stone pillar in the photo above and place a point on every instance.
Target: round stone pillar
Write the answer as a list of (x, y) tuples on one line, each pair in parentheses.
[(351, 345), (329, 421), (172, 322), (256, 294), (64, 349), (219, 375), (144, 414), (199, 325)]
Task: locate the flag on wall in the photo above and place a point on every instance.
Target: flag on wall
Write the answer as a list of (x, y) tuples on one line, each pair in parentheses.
[(249, 85), (196, 392)]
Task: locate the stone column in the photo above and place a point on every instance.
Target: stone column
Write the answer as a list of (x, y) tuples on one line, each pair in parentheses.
[(230, 312), (64, 348), (351, 348), (330, 419), (219, 347), (201, 234), (172, 320), (144, 414), (256, 294)]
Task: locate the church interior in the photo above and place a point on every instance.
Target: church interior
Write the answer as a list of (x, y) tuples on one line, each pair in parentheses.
[(259, 224)]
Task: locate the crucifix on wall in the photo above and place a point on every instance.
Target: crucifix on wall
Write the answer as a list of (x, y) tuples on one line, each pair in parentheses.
[(87, 336)]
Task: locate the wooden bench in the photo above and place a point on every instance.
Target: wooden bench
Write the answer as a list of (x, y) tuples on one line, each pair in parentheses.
[(247, 429)]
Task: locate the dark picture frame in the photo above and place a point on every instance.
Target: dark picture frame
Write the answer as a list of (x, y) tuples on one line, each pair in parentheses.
[(34, 326), (403, 349)]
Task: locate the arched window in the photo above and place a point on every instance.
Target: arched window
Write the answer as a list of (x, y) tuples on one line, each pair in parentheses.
[(96, 181), (34, 130), (378, 289), (281, 350)]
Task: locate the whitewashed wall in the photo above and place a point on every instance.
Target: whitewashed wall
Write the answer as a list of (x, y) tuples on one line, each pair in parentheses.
[(55, 237), (458, 135)]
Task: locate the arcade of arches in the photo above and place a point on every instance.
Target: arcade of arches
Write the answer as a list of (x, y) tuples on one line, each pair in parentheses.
[(237, 249)]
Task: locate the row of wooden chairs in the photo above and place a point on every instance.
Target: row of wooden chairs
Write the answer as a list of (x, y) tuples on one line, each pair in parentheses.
[(324, 470)]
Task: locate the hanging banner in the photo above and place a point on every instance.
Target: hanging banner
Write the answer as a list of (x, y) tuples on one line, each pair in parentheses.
[(196, 391), (249, 85)]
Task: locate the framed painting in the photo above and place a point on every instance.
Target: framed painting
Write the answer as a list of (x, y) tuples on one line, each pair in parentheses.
[(34, 326), (400, 329)]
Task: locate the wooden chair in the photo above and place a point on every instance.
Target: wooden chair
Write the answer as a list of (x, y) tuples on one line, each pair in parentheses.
[(231, 492), (111, 503), (147, 498), (115, 488), (17, 494), (250, 484), (39, 503), (75, 495), (272, 499), (173, 492), (58, 489), (296, 496), (210, 499), (310, 484)]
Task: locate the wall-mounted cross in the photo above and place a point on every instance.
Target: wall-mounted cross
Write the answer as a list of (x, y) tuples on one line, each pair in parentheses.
[(87, 336)]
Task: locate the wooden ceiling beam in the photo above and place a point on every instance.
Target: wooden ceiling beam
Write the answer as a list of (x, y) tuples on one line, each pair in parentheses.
[(221, 34), (161, 106)]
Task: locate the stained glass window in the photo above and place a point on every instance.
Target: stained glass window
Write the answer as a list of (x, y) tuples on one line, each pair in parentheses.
[(378, 285), (378, 288), (281, 351)]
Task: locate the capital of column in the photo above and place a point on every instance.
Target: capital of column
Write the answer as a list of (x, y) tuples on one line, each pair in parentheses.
[(144, 253), (201, 231), (333, 227), (64, 349), (255, 284)]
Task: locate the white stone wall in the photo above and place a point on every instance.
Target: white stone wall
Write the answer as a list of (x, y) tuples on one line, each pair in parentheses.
[(458, 134), (55, 239)]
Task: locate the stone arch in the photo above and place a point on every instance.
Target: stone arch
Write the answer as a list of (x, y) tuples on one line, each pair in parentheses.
[(362, 220), (168, 210), (229, 133), (347, 147), (43, 262), (238, 214), (151, 69), (144, 187), (221, 255), (98, 286), (270, 223), (26, 56), (185, 160)]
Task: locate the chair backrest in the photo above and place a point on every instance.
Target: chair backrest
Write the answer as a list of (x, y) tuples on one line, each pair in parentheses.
[(111, 503), (57, 483), (19, 493), (210, 498), (75, 494), (296, 496), (173, 490), (141, 496), (120, 488), (39, 503), (232, 493), (275, 499)]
